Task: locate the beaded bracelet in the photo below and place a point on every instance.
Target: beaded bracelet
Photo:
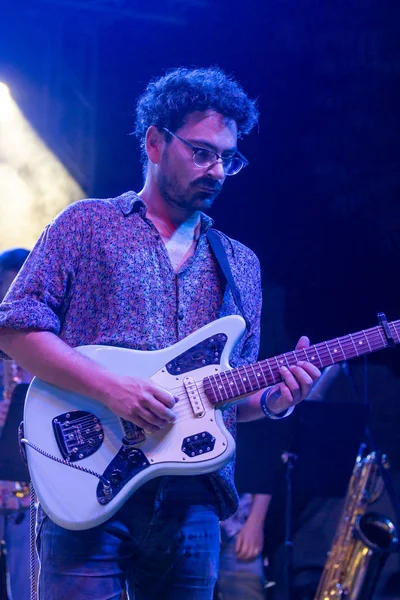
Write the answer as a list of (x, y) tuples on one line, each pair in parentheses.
[(268, 413)]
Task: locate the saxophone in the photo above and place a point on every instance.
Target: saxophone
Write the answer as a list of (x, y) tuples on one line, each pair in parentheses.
[(363, 540)]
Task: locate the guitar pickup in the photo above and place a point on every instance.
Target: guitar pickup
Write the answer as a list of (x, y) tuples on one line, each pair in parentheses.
[(194, 397)]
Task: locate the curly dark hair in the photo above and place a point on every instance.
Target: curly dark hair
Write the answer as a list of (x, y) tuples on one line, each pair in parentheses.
[(167, 101)]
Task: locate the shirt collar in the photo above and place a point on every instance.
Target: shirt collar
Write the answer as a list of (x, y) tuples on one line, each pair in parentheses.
[(130, 203)]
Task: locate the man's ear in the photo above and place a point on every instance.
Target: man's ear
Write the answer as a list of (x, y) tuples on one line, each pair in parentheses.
[(154, 143)]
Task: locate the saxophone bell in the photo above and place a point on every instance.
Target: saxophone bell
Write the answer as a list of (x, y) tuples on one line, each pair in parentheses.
[(377, 532)]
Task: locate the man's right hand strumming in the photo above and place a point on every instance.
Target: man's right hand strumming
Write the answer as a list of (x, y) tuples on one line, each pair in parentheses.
[(141, 402)]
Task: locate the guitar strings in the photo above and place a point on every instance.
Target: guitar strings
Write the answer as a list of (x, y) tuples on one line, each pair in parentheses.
[(184, 411)]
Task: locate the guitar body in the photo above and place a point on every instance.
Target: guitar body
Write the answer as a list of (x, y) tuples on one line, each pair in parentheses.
[(66, 434), (84, 432)]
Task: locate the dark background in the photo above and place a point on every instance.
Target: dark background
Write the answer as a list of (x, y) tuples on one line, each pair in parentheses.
[(319, 202)]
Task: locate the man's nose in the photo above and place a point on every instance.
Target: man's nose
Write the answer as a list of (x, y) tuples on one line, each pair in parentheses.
[(217, 170)]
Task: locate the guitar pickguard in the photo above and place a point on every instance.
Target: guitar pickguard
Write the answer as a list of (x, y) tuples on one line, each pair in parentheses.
[(125, 465), (207, 352)]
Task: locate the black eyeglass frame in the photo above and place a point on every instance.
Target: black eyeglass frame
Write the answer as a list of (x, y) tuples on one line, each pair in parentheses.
[(237, 155)]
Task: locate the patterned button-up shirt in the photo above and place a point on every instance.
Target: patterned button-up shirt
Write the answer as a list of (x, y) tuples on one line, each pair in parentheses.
[(101, 274)]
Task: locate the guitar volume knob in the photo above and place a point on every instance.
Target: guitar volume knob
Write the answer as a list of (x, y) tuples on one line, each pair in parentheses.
[(115, 476)]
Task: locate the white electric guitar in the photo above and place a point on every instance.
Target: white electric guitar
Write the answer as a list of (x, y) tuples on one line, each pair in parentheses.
[(85, 461)]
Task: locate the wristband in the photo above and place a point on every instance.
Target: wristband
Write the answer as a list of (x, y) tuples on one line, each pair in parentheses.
[(268, 413)]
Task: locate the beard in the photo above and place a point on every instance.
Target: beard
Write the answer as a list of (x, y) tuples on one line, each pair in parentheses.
[(197, 195)]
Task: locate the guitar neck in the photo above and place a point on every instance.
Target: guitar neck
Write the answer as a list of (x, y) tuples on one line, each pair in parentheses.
[(234, 384)]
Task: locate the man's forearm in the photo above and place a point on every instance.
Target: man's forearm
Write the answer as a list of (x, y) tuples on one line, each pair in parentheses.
[(259, 507), (45, 355), (250, 409)]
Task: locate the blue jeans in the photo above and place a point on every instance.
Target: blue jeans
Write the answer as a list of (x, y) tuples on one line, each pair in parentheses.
[(239, 579), (162, 544)]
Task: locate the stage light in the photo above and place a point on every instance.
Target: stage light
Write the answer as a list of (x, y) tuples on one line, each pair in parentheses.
[(5, 100), (4, 90), (34, 185)]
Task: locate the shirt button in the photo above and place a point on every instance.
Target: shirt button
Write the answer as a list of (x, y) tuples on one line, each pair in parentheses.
[(180, 316)]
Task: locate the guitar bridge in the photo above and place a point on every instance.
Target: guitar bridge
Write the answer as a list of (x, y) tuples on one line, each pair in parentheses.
[(79, 434)]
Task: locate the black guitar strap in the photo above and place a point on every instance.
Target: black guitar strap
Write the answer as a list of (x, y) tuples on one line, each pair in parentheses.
[(214, 239)]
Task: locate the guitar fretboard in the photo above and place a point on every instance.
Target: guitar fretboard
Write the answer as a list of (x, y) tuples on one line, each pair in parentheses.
[(236, 383)]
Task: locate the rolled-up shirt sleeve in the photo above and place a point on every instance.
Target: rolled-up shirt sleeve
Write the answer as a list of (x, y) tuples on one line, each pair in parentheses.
[(39, 295)]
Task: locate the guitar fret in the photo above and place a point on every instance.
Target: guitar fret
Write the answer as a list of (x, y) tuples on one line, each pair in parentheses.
[(261, 371), (211, 381), (294, 355), (224, 375), (280, 363), (341, 347), (231, 380), (384, 341), (220, 387), (241, 381), (319, 358), (395, 331), (250, 384), (335, 351), (271, 371), (361, 345), (311, 358), (359, 342), (367, 340), (245, 380), (330, 355), (255, 377), (355, 347), (235, 380)]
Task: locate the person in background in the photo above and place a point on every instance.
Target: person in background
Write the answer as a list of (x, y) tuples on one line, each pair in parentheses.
[(14, 497), (241, 568)]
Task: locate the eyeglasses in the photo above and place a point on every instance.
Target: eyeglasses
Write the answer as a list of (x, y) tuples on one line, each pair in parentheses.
[(205, 158)]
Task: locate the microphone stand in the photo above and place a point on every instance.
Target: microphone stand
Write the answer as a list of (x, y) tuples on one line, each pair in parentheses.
[(289, 460)]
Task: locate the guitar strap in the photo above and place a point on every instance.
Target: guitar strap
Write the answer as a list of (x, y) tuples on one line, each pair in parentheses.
[(214, 239)]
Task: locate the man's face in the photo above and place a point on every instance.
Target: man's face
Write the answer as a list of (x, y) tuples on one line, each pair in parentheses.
[(183, 184), (6, 279)]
